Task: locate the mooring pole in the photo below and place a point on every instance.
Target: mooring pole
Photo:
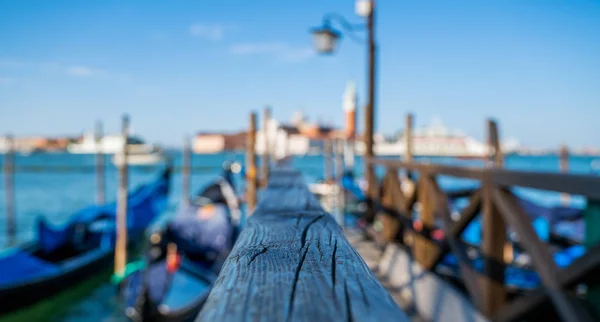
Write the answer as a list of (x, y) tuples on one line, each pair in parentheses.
[(9, 186), (327, 160), (409, 187), (494, 244), (408, 144), (265, 154), (565, 198), (186, 162), (100, 186), (121, 244), (373, 190), (339, 169), (251, 165)]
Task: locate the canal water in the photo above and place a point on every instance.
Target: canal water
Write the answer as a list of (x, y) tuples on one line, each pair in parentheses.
[(59, 194)]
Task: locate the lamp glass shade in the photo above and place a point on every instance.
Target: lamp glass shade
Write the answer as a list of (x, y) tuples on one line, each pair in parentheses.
[(325, 40)]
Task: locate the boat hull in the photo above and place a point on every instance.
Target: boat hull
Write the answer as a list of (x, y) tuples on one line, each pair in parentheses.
[(22, 296), (188, 289), (62, 258)]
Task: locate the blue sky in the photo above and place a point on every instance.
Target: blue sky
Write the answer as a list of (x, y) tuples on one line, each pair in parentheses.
[(182, 66)]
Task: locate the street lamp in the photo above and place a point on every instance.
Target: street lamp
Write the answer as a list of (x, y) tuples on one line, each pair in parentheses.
[(325, 40)]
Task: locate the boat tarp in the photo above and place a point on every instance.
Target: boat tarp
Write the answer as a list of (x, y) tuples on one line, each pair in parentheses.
[(144, 204), (18, 266), (521, 277), (544, 220), (202, 230)]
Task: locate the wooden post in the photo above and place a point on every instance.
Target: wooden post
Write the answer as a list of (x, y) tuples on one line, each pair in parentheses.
[(370, 116), (408, 153), (408, 186), (349, 154), (339, 169), (495, 151), (185, 171), (9, 186), (251, 165), (425, 250), (339, 161), (496, 158), (328, 160), (494, 235), (265, 155), (564, 167), (121, 244), (100, 186)]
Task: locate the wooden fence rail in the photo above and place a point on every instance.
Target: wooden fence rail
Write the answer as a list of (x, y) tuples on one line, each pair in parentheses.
[(500, 211), (292, 263)]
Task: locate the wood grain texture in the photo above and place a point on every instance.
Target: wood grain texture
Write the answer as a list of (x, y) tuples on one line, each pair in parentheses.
[(292, 262)]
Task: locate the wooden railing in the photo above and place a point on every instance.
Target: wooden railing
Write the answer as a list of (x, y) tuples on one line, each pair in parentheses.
[(500, 210), (292, 262)]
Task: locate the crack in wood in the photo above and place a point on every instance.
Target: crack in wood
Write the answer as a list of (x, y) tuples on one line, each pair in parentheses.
[(305, 230), (294, 284), (255, 253), (333, 268), (348, 303)]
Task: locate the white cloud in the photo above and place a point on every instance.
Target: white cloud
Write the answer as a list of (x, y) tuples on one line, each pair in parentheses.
[(80, 71), (209, 32), (278, 50)]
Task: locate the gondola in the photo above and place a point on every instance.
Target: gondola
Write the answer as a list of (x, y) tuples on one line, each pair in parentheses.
[(62, 258), (182, 261)]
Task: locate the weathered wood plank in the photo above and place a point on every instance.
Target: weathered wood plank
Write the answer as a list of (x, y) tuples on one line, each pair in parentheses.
[(292, 263)]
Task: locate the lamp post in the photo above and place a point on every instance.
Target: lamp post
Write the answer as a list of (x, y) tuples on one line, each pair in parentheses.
[(325, 40)]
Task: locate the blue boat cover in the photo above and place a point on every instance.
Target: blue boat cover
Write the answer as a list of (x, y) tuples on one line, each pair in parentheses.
[(351, 186), (520, 277), (144, 204), (203, 230), (543, 218), (18, 266)]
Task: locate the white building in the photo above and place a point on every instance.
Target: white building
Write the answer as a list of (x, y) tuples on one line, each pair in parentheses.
[(283, 140)]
